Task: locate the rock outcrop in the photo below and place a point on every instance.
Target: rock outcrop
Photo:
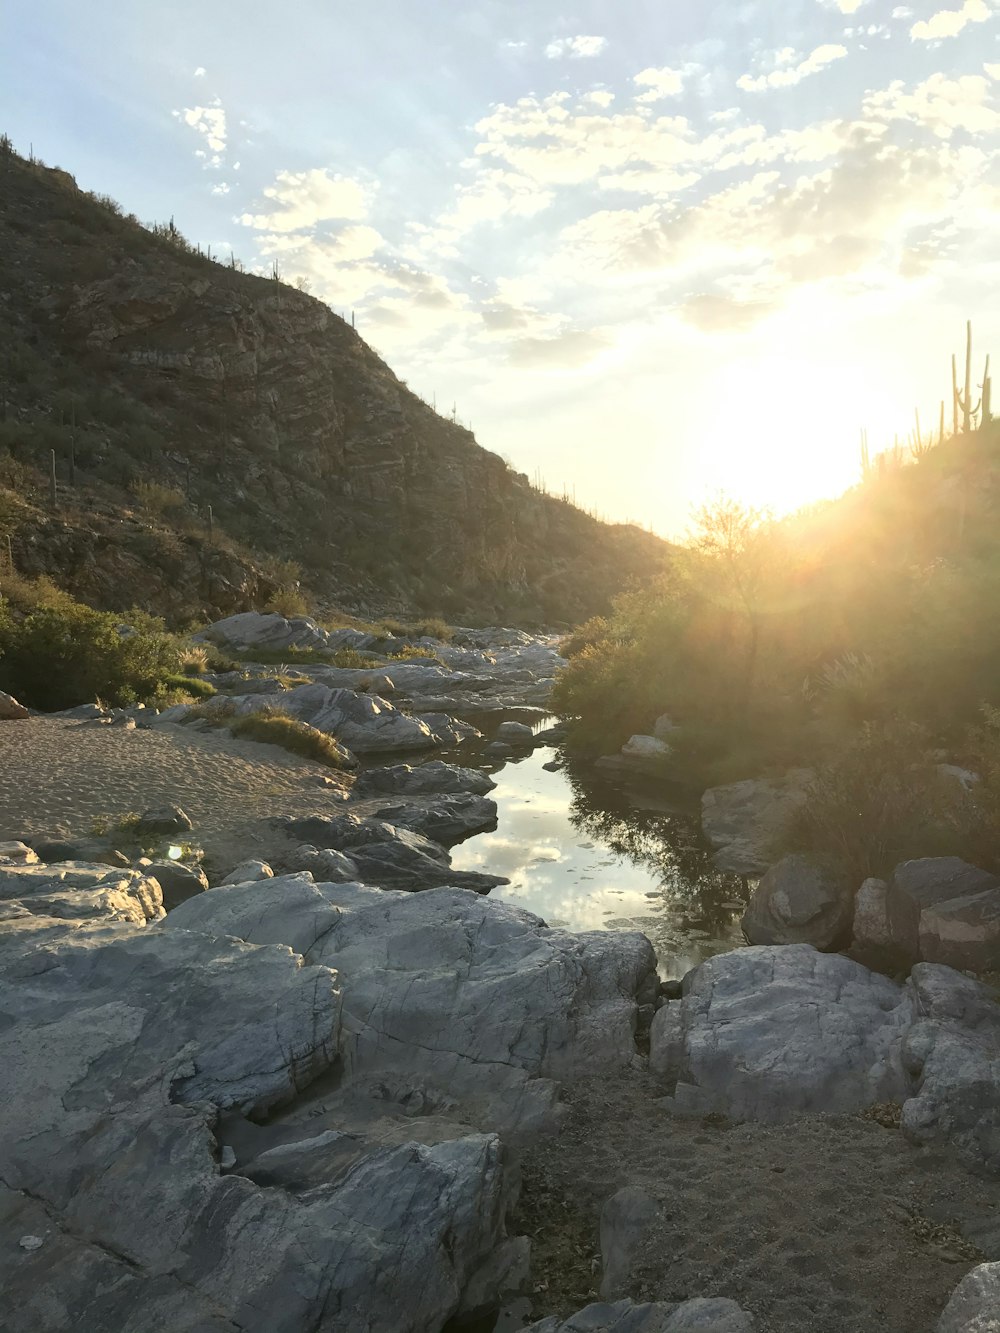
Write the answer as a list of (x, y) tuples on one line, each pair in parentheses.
[(943, 910), (697, 1316), (804, 899), (747, 821)]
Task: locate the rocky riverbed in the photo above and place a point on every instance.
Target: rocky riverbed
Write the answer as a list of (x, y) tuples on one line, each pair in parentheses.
[(340, 1084)]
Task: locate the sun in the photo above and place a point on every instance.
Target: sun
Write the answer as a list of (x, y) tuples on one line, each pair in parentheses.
[(783, 432)]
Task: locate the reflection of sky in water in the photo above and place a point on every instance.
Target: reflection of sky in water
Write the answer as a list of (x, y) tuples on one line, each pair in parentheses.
[(580, 856)]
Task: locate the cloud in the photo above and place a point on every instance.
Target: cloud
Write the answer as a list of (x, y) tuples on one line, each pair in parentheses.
[(659, 83), (306, 197), (950, 22), (722, 314), (221, 188), (786, 74), (940, 104), (565, 351), (210, 123), (575, 48), (847, 6), (199, 72)]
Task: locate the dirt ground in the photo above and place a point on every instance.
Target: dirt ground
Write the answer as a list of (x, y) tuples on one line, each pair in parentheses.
[(829, 1224), (57, 777)]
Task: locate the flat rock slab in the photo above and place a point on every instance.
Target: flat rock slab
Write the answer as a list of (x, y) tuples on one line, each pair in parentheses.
[(132, 1041), (746, 822), (430, 779), (943, 910), (697, 1316), (449, 998)]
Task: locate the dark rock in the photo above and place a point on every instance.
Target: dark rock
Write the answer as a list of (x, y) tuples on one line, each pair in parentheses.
[(943, 910), (449, 821), (165, 819), (178, 882), (804, 899), (430, 779)]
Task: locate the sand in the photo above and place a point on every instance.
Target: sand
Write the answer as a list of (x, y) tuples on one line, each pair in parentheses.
[(830, 1224), (57, 777)]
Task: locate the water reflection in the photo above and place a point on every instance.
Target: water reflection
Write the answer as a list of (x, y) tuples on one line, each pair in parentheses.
[(580, 854)]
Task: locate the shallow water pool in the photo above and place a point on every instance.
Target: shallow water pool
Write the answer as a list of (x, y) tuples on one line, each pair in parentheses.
[(583, 853)]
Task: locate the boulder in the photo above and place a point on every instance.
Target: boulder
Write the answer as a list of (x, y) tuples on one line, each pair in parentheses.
[(164, 820), (698, 1316), (769, 1032), (452, 1000), (431, 779), (11, 710), (975, 1304), (747, 822), (133, 1042), (626, 1221), (871, 934), (804, 899), (448, 730), (247, 872), (646, 752), (178, 882), (943, 910), (450, 820), (18, 853), (322, 863), (265, 630), (515, 733), (80, 889), (664, 727), (766, 1033)]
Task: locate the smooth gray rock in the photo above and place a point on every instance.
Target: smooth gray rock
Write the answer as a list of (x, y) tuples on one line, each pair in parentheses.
[(449, 998), (449, 730), (178, 882), (804, 899), (871, 932), (746, 822), (132, 1041), (943, 910), (431, 779), (165, 819), (450, 820), (975, 1303), (15, 852), (247, 872), (765, 1033), (626, 1221), (80, 889), (515, 733), (323, 863), (646, 753), (698, 1316), (256, 629)]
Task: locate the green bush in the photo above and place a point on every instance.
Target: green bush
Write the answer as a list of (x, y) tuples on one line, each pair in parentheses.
[(431, 628), (190, 685), (60, 656), (277, 728), (413, 651), (352, 659)]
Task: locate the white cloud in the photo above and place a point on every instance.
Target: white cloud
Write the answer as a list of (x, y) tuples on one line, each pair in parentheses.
[(659, 83), (306, 197), (849, 6), (600, 97), (221, 188), (210, 123), (785, 74), (940, 104), (200, 72), (575, 48), (950, 22)]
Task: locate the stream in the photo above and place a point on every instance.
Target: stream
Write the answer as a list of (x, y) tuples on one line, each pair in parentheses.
[(586, 853)]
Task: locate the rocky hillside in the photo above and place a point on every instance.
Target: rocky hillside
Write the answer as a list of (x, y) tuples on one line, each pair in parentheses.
[(172, 387)]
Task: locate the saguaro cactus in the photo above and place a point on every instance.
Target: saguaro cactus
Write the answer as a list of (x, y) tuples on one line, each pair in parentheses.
[(53, 492), (963, 398)]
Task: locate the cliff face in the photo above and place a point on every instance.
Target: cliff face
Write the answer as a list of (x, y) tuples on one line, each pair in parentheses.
[(167, 383)]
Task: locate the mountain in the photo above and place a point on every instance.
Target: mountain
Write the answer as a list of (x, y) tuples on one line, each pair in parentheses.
[(219, 435)]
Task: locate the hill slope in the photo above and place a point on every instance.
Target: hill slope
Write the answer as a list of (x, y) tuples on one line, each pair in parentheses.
[(167, 383)]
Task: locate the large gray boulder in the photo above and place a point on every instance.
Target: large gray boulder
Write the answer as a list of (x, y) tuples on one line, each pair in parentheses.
[(178, 882), (804, 899), (769, 1032), (115, 1212), (975, 1304), (943, 910), (266, 630), (765, 1033), (871, 931), (451, 999), (747, 822), (433, 778), (698, 1316), (450, 820)]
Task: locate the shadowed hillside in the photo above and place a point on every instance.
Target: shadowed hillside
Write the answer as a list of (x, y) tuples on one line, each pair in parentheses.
[(215, 433)]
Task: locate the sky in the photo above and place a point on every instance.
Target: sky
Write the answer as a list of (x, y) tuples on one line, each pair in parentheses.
[(649, 251)]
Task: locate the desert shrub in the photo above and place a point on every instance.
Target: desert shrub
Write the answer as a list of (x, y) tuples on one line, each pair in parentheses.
[(351, 658), (60, 656), (274, 727), (194, 658), (591, 632), (287, 602), (191, 686), (19, 593), (158, 500), (431, 628), (878, 802), (412, 651)]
